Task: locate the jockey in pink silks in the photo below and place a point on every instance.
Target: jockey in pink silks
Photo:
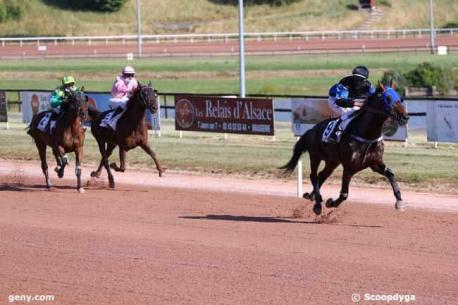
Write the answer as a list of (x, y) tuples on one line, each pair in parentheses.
[(123, 87), (121, 91)]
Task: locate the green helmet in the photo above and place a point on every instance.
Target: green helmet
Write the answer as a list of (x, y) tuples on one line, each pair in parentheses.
[(68, 80)]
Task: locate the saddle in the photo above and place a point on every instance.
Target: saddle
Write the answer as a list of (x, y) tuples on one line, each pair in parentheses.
[(111, 118), (335, 129)]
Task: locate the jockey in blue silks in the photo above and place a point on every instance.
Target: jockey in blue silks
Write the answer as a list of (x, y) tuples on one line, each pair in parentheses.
[(343, 94)]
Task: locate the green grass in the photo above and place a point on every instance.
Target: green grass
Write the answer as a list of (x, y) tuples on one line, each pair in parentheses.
[(204, 16), (300, 74), (418, 166)]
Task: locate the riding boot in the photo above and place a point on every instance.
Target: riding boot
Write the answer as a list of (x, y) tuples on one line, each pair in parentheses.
[(334, 136)]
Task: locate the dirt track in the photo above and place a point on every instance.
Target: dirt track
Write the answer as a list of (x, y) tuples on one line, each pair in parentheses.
[(156, 245), (226, 48)]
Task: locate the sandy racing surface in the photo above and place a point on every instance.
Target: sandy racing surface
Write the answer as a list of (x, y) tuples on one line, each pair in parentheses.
[(186, 241)]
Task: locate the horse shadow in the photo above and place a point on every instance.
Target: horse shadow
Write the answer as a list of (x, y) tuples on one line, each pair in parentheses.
[(18, 187), (269, 219)]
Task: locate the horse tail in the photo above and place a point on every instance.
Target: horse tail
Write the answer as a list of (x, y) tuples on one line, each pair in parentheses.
[(300, 147), (93, 113), (28, 129)]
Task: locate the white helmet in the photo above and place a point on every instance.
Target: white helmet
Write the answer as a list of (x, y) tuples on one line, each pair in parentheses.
[(128, 70)]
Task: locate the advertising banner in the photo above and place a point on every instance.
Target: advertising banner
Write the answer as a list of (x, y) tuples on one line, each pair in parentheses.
[(33, 102), (224, 114), (306, 112), (3, 107), (442, 121)]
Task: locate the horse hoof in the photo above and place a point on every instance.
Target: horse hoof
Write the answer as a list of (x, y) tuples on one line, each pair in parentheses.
[(330, 203), (81, 190), (309, 196), (95, 174), (400, 206), (112, 184), (317, 209)]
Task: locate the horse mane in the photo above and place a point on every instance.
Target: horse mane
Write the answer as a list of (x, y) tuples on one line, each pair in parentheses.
[(133, 97)]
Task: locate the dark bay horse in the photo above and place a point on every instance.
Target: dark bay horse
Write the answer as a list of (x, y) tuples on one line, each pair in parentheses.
[(360, 147), (131, 131), (67, 136)]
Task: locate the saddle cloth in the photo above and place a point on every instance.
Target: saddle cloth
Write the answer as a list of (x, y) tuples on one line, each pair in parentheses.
[(111, 118), (45, 121), (335, 128)]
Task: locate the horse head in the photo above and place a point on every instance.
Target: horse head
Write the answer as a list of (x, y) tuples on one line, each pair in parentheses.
[(75, 101), (147, 97), (388, 102)]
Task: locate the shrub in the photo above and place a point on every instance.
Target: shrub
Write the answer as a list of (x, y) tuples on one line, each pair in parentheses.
[(424, 75), (450, 25), (88, 5), (11, 10)]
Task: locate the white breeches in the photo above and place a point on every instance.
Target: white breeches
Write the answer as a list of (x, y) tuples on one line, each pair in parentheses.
[(118, 102)]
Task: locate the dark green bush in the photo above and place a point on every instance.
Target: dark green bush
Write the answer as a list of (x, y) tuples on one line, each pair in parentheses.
[(88, 5), (424, 75), (11, 10), (450, 25)]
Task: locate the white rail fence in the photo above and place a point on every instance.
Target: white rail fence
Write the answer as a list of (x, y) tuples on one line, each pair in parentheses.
[(366, 34)]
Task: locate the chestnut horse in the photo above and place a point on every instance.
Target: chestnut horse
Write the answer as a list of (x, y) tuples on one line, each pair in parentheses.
[(131, 131), (67, 136), (360, 147)]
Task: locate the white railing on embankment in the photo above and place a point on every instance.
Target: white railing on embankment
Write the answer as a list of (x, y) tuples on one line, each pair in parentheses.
[(323, 35)]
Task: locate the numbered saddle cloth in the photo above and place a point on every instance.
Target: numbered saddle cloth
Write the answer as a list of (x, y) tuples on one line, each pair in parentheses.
[(43, 125), (335, 128)]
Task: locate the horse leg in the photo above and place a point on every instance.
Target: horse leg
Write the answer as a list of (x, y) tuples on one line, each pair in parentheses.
[(314, 164), (61, 159), (102, 149), (346, 178), (387, 172), (122, 162), (322, 176), (108, 152), (78, 157), (150, 152), (44, 165)]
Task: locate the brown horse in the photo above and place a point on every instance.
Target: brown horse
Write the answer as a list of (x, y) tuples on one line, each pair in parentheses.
[(131, 131), (67, 136), (360, 147)]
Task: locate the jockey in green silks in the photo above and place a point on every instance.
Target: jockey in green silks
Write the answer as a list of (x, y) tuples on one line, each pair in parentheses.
[(57, 98), (60, 93)]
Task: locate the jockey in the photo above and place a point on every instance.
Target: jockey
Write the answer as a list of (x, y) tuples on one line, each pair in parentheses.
[(123, 87), (60, 93), (57, 98), (343, 94), (121, 91)]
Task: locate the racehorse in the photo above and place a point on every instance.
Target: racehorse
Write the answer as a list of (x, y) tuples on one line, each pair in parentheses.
[(67, 136), (131, 131), (360, 147)]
